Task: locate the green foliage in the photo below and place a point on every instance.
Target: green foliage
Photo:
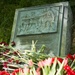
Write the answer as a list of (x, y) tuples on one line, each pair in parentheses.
[(19, 57), (6, 20)]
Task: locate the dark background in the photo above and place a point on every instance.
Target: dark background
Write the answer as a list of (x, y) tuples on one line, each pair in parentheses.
[(7, 11)]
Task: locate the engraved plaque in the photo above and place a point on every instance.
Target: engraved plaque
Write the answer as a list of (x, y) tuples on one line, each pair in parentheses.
[(37, 21), (49, 24)]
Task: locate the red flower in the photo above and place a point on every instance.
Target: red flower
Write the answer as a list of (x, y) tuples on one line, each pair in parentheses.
[(67, 67), (46, 62), (6, 51), (65, 61), (17, 61), (49, 61), (38, 69), (15, 52), (26, 70), (16, 71), (38, 72), (30, 62), (41, 64), (70, 56), (60, 59), (69, 70), (10, 60), (4, 73), (5, 64), (74, 56), (4, 43), (13, 43)]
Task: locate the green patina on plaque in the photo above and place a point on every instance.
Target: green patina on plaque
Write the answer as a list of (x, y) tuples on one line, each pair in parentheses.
[(49, 24), (37, 21)]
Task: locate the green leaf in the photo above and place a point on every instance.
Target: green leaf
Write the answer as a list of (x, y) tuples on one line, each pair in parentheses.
[(53, 68), (59, 72)]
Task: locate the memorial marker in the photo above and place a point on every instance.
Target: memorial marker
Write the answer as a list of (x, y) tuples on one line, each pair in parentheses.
[(49, 24)]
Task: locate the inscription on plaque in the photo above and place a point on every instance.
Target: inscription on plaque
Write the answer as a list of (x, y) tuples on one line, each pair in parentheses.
[(43, 20)]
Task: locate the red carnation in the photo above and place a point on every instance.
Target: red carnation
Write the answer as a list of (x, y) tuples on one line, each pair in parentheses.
[(13, 43), (16, 71), (5, 64), (4, 73), (4, 43), (70, 56), (60, 59)]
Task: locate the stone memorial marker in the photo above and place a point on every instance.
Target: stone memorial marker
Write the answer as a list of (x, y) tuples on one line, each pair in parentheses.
[(49, 24)]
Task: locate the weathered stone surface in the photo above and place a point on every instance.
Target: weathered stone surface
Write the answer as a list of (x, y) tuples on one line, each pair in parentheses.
[(74, 40), (38, 21), (49, 24)]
